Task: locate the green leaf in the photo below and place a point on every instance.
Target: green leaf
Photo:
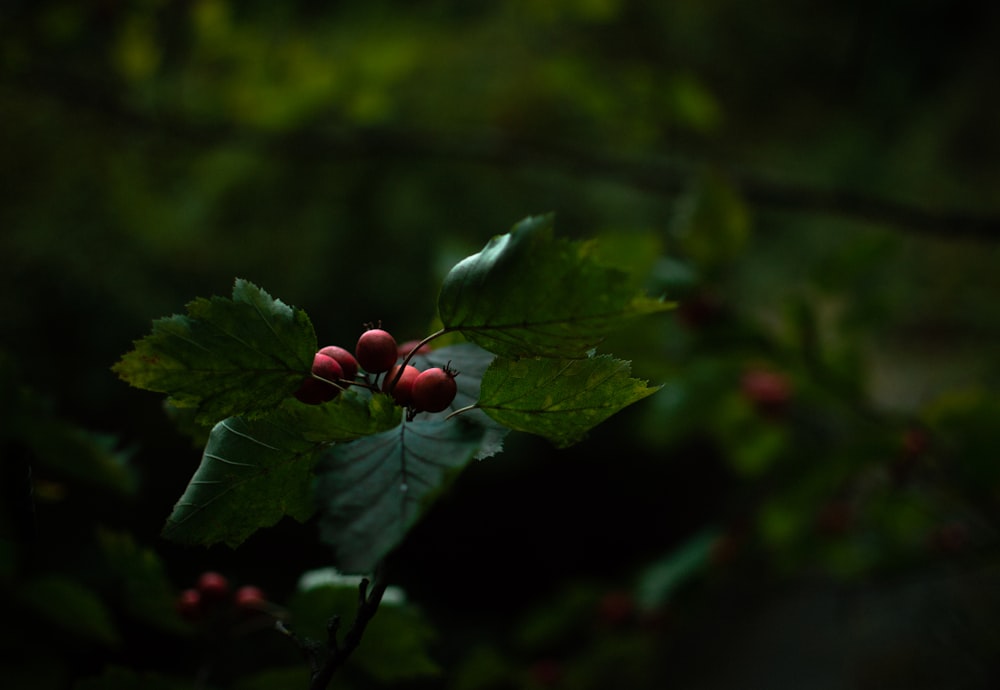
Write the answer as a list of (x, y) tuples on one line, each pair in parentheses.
[(141, 583), (69, 605), (530, 294), (253, 472), (373, 490), (242, 356), (558, 399), (658, 581)]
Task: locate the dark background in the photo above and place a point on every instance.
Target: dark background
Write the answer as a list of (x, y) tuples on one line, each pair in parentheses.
[(813, 183)]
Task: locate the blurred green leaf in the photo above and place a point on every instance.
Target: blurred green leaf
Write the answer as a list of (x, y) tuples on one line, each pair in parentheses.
[(86, 457), (558, 399), (140, 581), (65, 603), (712, 222), (660, 579), (226, 357), (530, 294)]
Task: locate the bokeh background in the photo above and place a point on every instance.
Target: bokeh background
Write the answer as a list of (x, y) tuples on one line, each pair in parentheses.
[(812, 499)]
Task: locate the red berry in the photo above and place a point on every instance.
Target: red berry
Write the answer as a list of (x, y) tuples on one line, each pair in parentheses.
[(188, 604), (769, 391), (327, 368), (213, 586), (249, 598), (376, 351), (314, 391), (546, 672), (409, 345), (345, 359), (402, 392), (616, 607), (434, 390)]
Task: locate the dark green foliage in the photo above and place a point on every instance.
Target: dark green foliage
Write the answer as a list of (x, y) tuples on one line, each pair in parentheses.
[(225, 357), (530, 294)]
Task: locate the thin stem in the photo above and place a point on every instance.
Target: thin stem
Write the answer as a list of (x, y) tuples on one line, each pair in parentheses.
[(460, 410), (324, 662), (409, 356)]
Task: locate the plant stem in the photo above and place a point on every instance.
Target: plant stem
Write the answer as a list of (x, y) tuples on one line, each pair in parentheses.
[(324, 662)]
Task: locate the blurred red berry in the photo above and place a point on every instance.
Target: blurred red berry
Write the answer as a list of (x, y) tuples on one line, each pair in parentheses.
[(769, 391), (188, 605), (213, 586), (249, 598), (616, 607)]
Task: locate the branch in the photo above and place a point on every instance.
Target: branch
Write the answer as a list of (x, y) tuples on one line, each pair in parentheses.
[(324, 661), (653, 175)]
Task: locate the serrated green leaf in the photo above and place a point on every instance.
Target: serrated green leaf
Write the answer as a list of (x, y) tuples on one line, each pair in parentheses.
[(226, 357), (558, 399), (373, 490), (530, 294), (253, 472)]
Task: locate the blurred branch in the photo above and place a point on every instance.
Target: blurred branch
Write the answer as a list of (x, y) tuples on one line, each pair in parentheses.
[(657, 176)]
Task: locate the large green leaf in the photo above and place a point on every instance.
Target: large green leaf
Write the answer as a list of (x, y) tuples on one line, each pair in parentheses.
[(255, 471), (528, 293), (558, 399), (225, 357), (372, 491)]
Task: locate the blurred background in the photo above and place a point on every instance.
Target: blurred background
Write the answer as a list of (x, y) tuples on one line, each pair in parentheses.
[(812, 499)]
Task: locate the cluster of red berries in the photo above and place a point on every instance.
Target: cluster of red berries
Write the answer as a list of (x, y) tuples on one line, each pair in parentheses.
[(377, 353), (212, 594)]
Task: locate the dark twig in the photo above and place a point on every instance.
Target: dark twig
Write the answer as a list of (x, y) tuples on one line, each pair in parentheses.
[(325, 660)]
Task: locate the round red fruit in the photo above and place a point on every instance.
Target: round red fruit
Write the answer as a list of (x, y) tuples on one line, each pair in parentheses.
[(402, 392), (213, 586), (769, 391), (249, 598), (313, 390), (327, 368), (413, 346), (434, 390), (345, 359), (188, 604), (376, 351)]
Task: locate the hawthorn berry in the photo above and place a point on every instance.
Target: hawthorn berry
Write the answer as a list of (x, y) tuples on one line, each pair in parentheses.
[(249, 598), (412, 346), (402, 392), (188, 604), (376, 351), (434, 389), (769, 391), (313, 390), (213, 586), (347, 362)]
